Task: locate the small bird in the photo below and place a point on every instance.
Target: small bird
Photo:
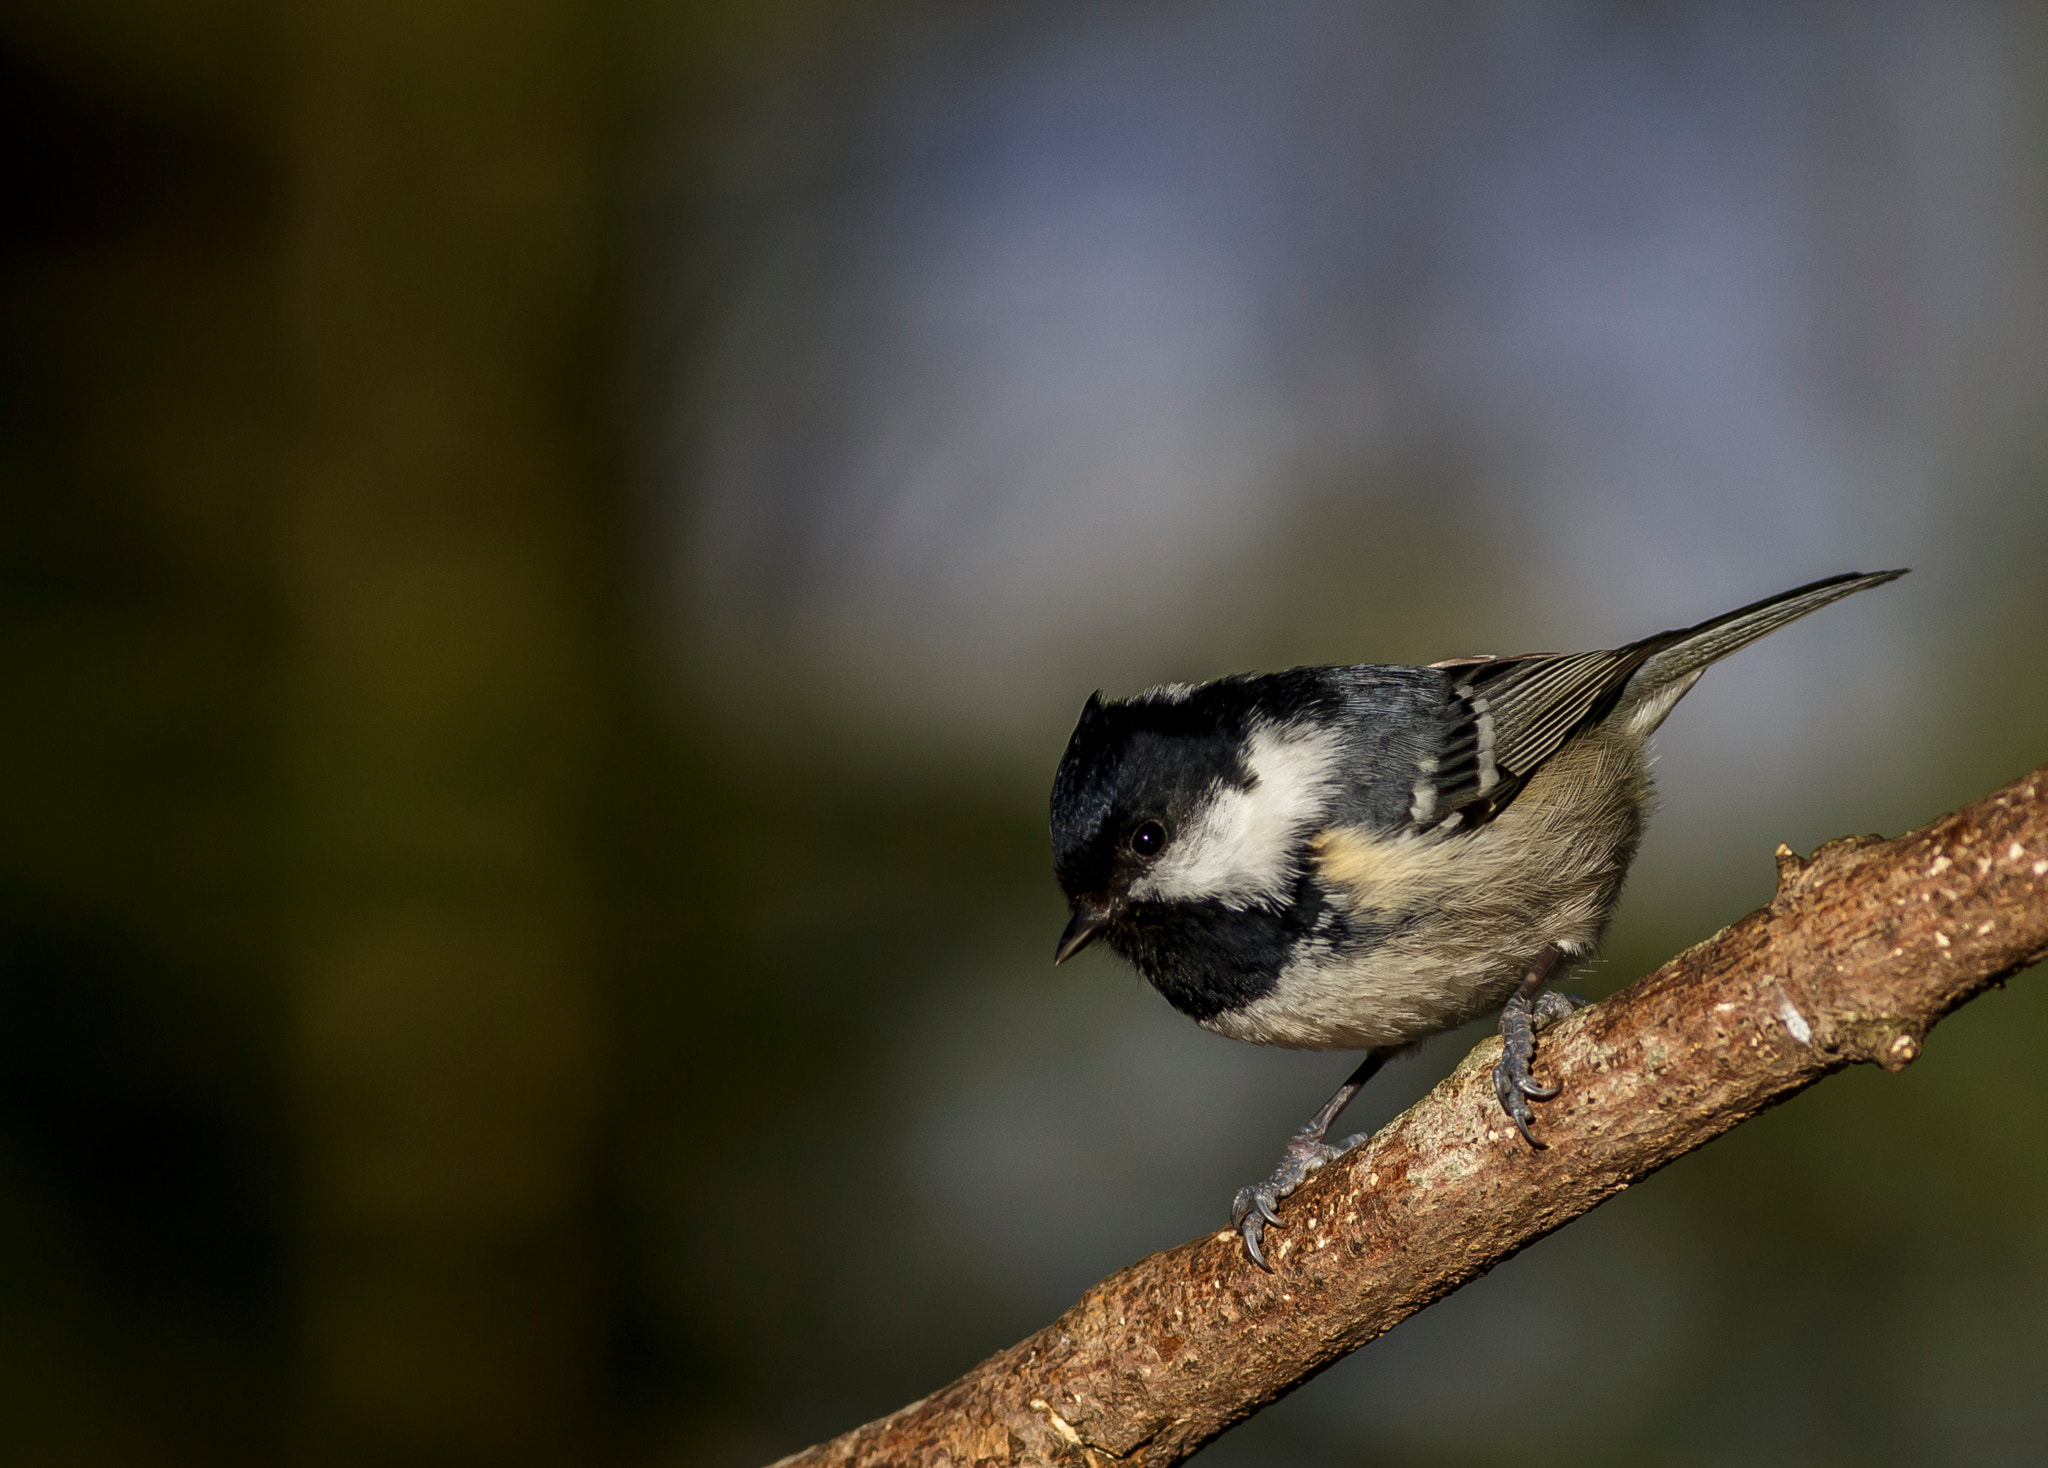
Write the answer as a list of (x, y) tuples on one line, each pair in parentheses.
[(1356, 858)]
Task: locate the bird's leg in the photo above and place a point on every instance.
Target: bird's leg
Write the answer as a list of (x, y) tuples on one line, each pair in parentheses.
[(1252, 1209), (1525, 1016)]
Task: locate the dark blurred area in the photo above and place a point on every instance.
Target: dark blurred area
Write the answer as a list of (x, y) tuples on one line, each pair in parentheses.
[(548, 552)]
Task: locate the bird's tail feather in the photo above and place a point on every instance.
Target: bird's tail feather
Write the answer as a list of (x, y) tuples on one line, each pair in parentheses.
[(1684, 653)]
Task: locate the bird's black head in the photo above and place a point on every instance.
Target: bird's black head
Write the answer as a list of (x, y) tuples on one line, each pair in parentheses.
[(1133, 777), (1179, 812)]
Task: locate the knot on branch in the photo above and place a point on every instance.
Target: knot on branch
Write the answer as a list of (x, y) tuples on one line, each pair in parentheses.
[(1798, 874), (1892, 1043)]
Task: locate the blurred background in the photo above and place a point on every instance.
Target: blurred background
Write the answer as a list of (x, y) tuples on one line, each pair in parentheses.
[(548, 552)]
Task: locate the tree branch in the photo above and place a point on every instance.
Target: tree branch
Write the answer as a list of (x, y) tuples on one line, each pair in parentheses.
[(1864, 948)]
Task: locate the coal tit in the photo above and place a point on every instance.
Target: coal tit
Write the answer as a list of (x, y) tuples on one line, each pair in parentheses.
[(1355, 858)]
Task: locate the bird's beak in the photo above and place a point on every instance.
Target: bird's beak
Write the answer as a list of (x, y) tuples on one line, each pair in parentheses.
[(1082, 928)]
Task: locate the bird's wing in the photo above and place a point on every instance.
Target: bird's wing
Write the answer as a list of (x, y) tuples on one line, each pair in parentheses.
[(1509, 715)]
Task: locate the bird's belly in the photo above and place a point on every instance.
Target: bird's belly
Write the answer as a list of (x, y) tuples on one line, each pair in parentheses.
[(1366, 1003)]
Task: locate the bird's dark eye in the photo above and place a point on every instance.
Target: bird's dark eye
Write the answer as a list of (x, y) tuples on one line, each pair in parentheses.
[(1148, 838)]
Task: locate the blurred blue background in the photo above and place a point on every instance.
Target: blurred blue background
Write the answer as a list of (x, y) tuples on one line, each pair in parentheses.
[(548, 552)]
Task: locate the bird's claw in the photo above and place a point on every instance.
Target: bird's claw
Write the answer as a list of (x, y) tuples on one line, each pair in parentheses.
[(1514, 1099), (1261, 1201), (1553, 1005), (1513, 1080), (1253, 1208), (1250, 1212)]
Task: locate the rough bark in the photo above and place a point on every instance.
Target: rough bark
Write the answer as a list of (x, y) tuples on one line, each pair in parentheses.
[(1864, 948)]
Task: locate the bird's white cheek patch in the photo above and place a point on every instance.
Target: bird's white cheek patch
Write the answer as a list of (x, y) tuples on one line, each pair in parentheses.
[(1245, 844)]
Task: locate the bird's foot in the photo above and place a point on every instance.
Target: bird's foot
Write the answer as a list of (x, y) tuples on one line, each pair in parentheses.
[(1252, 1209), (1513, 1079)]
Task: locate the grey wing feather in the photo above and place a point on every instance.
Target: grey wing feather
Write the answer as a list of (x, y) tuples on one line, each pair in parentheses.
[(1516, 713), (1512, 714)]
